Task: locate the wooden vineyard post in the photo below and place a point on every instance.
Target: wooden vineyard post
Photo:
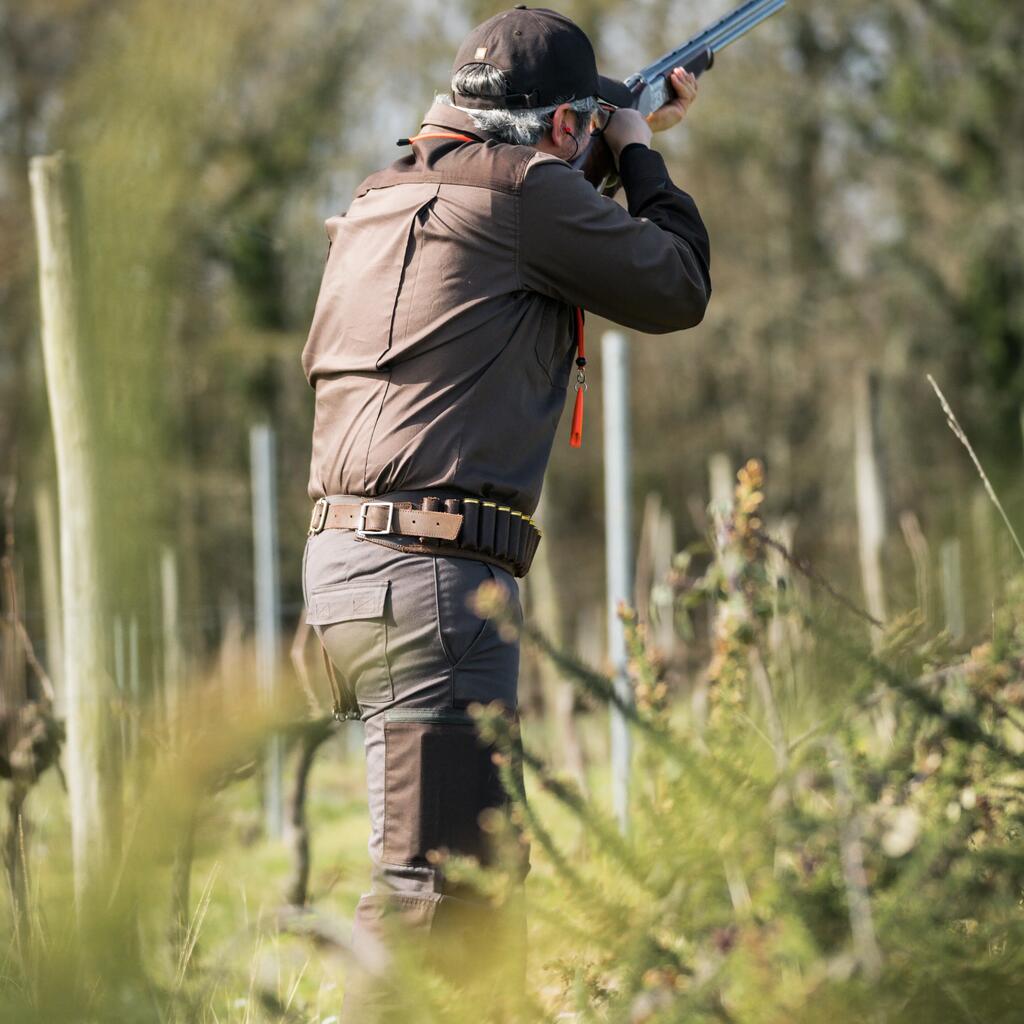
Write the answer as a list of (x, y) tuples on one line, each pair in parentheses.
[(262, 448), (953, 587), (722, 481), (870, 494), (49, 570), (618, 551), (171, 644), (92, 746), (986, 557), (655, 551), (547, 609), (917, 543)]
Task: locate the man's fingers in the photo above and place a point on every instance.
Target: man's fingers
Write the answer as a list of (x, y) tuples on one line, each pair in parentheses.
[(684, 83)]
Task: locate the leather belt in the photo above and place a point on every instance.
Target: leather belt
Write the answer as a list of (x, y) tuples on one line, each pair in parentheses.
[(384, 517), (459, 527)]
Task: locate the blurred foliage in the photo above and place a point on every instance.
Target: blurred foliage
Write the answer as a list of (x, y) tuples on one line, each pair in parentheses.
[(852, 856), (820, 830), (855, 859)]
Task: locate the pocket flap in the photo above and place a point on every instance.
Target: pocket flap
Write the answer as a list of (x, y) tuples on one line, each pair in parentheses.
[(345, 602)]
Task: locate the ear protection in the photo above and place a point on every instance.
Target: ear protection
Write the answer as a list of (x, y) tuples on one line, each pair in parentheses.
[(568, 131)]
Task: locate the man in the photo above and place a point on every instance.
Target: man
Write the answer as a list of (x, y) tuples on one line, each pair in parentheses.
[(441, 350)]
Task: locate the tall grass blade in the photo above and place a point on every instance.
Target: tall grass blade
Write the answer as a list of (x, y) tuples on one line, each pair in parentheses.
[(954, 425)]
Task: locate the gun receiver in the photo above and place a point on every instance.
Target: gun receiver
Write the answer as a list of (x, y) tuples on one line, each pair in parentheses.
[(650, 88)]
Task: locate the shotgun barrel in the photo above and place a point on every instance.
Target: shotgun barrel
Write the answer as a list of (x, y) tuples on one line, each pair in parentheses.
[(650, 85)]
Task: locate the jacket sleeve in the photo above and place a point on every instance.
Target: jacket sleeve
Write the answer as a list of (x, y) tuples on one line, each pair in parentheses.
[(647, 267)]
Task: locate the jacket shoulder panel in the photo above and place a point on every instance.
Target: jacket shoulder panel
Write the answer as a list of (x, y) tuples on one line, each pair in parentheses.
[(493, 165), (546, 171)]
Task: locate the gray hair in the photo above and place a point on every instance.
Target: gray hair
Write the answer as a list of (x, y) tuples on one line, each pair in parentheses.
[(521, 127)]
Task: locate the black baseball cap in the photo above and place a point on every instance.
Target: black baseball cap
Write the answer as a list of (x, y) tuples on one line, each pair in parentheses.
[(545, 56)]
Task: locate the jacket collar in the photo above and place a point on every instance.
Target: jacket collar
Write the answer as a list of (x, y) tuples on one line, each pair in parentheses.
[(442, 115)]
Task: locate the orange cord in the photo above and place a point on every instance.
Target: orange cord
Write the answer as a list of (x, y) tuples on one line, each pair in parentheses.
[(441, 135), (576, 431)]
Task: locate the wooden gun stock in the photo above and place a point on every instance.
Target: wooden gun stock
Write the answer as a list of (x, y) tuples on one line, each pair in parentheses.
[(596, 162)]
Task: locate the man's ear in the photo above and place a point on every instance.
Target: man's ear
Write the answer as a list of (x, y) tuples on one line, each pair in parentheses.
[(563, 117)]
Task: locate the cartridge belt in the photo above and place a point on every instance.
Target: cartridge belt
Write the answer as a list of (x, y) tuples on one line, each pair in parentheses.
[(461, 527)]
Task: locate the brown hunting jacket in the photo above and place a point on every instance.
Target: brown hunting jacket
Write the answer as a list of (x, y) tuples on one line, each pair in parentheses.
[(442, 344)]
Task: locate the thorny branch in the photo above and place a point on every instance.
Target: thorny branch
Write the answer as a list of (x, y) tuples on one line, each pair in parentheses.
[(804, 568)]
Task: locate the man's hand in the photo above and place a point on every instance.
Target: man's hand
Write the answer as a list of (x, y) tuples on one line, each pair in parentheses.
[(671, 113), (626, 126)]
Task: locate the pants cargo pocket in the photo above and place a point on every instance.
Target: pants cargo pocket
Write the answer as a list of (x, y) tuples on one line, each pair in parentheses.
[(438, 778), (485, 665), (351, 619)]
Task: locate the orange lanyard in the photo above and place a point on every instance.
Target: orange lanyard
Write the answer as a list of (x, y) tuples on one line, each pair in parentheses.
[(436, 135), (576, 431)]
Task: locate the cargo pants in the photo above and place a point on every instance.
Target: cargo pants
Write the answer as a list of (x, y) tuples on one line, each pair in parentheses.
[(401, 634)]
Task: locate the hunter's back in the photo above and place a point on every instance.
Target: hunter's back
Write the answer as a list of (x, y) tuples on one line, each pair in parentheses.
[(433, 365), (441, 345)]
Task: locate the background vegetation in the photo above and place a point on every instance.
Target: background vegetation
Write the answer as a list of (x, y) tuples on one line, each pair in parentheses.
[(826, 819)]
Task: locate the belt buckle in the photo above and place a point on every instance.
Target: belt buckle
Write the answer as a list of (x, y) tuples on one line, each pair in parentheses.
[(362, 531), (319, 518)]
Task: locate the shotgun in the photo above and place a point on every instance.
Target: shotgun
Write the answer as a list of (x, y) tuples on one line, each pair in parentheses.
[(650, 89)]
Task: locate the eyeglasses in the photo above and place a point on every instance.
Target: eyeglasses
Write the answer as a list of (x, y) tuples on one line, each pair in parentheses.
[(600, 118)]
